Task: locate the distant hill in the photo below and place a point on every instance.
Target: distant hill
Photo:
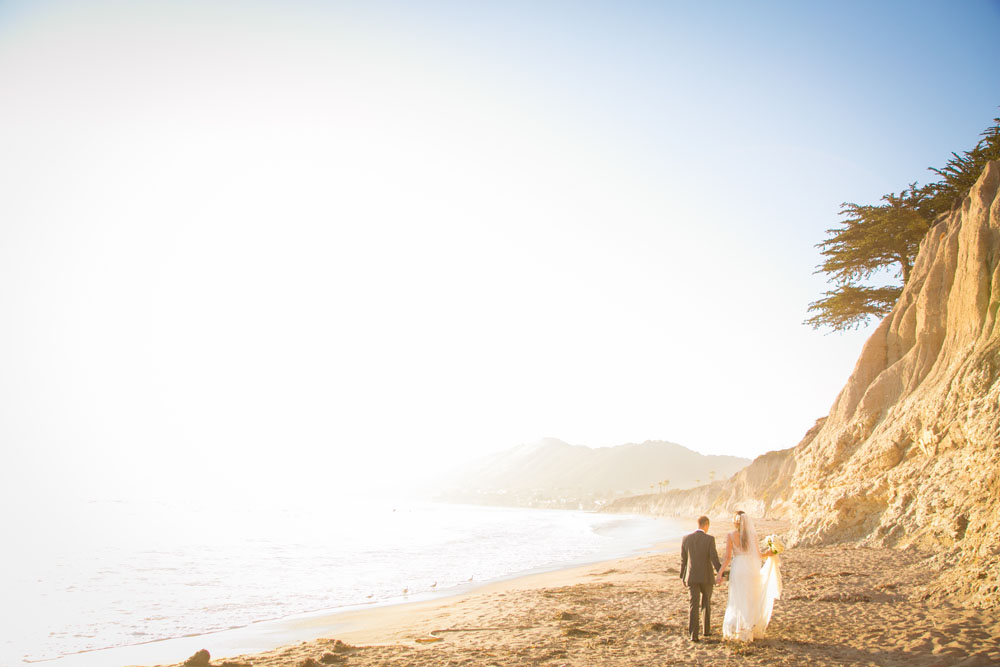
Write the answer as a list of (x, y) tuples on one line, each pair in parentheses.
[(552, 473)]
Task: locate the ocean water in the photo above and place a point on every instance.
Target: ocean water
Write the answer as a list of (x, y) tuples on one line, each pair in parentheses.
[(111, 574)]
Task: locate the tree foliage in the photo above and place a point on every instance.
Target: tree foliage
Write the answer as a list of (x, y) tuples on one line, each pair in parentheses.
[(850, 306), (886, 236), (961, 172)]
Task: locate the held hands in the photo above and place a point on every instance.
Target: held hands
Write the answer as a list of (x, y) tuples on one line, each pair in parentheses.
[(718, 579)]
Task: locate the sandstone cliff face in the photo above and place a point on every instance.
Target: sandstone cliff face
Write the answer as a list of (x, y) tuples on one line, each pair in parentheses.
[(910, 452)]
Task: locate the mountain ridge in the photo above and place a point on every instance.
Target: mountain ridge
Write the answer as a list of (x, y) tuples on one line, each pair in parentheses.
[(551, 472)]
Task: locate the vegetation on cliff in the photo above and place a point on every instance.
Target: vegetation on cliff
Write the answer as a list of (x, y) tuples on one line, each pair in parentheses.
[(873, 239)]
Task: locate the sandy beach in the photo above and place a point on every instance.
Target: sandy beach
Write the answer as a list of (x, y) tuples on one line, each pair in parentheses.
[(841, 606)]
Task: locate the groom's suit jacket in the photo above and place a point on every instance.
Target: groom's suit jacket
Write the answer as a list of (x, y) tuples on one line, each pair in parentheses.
[(698, 556)]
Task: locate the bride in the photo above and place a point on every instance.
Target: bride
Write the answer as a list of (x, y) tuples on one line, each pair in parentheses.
[(752, 588)]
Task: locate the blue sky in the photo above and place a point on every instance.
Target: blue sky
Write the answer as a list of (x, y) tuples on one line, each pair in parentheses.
[(383, 235)]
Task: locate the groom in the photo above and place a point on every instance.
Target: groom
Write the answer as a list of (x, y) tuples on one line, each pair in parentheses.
[(698, 557)]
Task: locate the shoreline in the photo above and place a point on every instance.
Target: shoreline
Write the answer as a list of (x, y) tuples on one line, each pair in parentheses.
[(401, 622), (393, 623), (355, 621), (841, 606)]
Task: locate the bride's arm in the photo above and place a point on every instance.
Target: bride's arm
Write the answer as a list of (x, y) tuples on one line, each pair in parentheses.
[(729, 557)]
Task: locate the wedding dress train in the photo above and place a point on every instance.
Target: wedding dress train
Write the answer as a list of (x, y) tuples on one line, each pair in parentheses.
[(753, 588)]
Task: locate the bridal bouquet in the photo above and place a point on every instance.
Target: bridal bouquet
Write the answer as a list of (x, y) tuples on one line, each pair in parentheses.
[(774, 544)]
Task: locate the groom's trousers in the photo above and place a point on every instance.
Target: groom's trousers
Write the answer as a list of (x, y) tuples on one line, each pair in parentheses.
[(701, 598)]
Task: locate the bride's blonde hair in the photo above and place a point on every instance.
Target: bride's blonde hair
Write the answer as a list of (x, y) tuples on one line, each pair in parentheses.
[(741, 526)]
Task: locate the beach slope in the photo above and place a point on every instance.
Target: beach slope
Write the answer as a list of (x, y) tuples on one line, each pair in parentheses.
[(841, 606)]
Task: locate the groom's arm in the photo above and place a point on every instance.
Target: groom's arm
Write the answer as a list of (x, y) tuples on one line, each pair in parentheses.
[(684, 558), (713, 552)]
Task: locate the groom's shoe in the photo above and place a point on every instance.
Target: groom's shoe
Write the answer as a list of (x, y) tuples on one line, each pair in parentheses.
[(693, 639)]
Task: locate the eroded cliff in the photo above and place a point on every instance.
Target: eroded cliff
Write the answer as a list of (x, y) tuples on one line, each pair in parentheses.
[(910, 452)]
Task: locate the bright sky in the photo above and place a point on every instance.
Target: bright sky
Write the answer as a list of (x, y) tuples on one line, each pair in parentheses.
[(273, 246)]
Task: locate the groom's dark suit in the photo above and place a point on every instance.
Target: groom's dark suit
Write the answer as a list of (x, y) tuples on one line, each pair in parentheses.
[(699, 561)]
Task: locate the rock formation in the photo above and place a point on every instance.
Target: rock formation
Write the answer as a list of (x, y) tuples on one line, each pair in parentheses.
[(910, 452)]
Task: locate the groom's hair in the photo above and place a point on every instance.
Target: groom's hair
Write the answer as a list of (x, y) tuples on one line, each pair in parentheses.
[(702, 521)]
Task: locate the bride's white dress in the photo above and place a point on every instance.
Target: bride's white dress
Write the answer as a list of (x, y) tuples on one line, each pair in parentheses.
[(752, 591)]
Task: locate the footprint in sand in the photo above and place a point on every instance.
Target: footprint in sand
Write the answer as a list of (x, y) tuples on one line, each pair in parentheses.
[(577, 632)]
